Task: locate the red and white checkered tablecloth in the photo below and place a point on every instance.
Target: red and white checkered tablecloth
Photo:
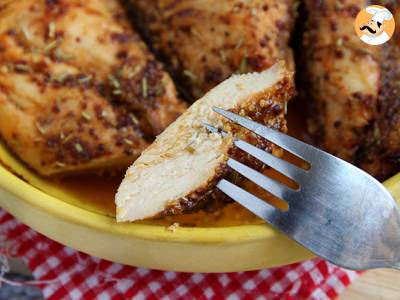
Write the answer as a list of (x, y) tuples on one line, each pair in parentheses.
[(64, 273)]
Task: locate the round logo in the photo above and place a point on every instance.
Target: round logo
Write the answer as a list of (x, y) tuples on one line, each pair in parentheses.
[(374, 25)]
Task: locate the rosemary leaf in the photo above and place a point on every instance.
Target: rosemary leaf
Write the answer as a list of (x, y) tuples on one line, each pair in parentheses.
[(133, 72), (59, 164), (115, 83), (189, 74), (190, 149), (239, 43), (243, 65), (86, 116), (128, 142), (78, 147), (52, 30), (40, 128), (222, 56), (144, 87), (62, 56), (22, 68), (135, 121), (85, 79), (52, 45)]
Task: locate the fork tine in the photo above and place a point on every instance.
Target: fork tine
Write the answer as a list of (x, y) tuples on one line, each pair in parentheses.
[(286, 168), (271, 160), (288, 143), (274, 187), (257, 206)]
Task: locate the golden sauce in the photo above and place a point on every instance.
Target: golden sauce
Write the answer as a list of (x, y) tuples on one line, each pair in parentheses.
[(97, 193)]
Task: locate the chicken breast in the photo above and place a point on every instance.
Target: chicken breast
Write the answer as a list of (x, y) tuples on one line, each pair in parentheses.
[(340, 76), (205, 41), (380, 156), (79, 90), (179, 171)]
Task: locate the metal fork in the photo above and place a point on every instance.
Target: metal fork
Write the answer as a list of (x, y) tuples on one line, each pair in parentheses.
[(339, 212)]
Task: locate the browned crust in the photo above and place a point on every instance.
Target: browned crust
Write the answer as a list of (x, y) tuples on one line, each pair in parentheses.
[(380, 156), (204, 42), (208, 197), (116, 99), (338, 117), (272, 114), (366, 131)]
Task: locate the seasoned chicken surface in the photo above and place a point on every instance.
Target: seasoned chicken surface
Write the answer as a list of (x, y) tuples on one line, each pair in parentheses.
[(380, 156), (179, 171), (353, 88), (79, 90), (341, 76), (205, 41)]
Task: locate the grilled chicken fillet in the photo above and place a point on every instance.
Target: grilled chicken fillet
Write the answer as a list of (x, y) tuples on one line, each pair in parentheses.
[(206, 41), (380, 156), (341, 76), (179, 171), (79, 90)]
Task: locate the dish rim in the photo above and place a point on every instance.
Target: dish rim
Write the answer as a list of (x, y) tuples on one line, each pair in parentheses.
[(37, 198), (40, 199)]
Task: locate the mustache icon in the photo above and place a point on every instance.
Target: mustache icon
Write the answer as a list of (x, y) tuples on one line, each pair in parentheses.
[(368, 28)]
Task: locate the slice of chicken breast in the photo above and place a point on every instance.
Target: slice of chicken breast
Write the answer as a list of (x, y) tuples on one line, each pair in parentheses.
[(206, 41), (79, 90), (179, 171)]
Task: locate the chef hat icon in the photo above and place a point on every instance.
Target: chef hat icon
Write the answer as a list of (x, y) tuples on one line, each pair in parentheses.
[(379, 14)]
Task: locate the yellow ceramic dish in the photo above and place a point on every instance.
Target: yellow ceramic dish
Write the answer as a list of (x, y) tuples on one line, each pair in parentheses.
[(62, 214)]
